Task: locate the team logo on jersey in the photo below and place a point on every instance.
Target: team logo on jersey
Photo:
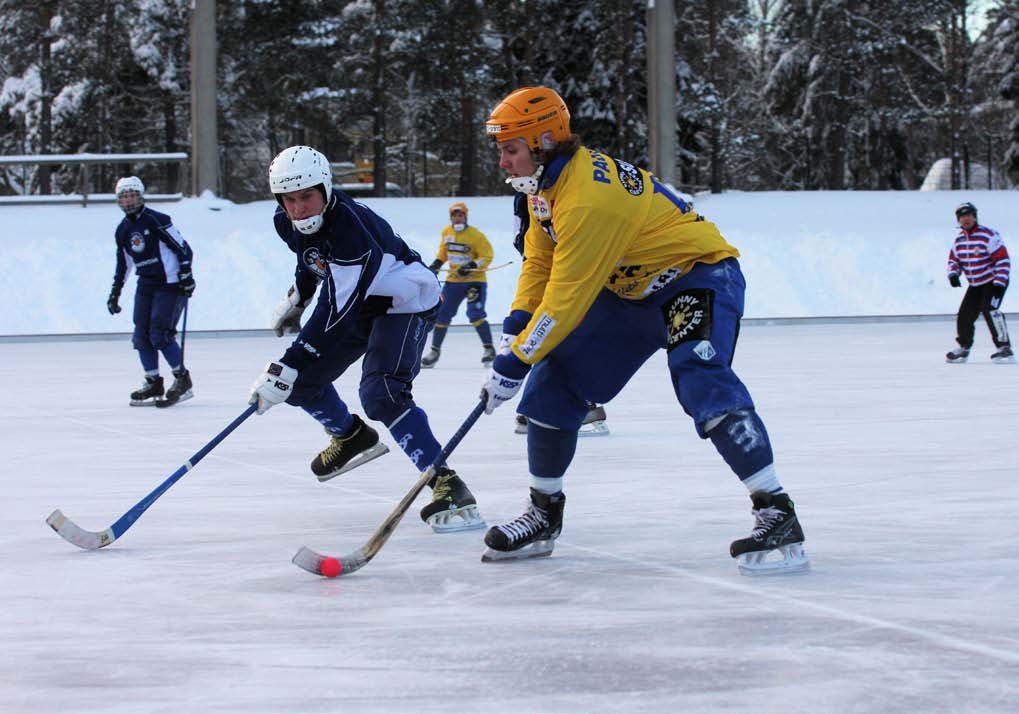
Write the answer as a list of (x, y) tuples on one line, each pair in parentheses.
[(688, 317), (137, 241), (314, 262), (457, 247), (630, 177), (541, 208)]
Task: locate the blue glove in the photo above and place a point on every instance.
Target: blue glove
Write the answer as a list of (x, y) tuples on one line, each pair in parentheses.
[(503, 381), (185, 281)]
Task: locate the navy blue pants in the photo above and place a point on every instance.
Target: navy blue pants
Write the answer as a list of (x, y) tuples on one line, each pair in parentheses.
[(391, 346), (696, 318), (157, 308), (455, 293)]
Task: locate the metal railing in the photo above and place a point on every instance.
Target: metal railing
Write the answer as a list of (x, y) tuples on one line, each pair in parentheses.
[(85, 161)]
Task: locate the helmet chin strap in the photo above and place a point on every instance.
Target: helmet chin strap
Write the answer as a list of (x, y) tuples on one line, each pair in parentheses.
[(526, 184), (307, 226)]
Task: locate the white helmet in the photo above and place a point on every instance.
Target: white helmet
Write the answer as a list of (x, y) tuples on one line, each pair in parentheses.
[(127, 185), (297, 168)]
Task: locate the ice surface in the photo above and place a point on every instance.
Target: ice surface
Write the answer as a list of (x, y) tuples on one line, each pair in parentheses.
[(903, 469)]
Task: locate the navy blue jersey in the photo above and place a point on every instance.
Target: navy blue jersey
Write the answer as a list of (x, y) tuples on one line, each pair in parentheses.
[(367, 268), (149, 242)]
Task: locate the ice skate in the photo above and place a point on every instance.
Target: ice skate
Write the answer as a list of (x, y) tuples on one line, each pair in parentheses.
[(147, 394), (958, 355), (594, 422), (345, 453), (531, 535), (1004, 355), (487, 355), (179, 391), (776, 530), (431, 358), (453, 507), (520, 424)]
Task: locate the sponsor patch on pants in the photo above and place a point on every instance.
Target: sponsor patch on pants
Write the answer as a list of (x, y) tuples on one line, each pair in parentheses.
[(688, 317)]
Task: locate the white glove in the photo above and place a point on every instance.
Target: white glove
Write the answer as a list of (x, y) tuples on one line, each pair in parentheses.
[(498, 389), (272, 386), (505, 341), (286, 317)]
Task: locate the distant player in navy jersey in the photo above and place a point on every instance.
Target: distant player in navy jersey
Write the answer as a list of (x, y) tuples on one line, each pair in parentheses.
[(148, 242), (378, 301), (979, 253)]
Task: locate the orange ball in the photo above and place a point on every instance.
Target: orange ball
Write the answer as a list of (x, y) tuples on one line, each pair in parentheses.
[(331, 567)]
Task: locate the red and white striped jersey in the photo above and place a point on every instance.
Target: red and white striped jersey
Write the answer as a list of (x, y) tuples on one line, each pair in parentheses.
[(981, 255)]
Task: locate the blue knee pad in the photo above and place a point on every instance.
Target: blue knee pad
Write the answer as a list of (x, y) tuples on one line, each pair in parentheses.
[(743, 442), (549, 451), (384, 398)]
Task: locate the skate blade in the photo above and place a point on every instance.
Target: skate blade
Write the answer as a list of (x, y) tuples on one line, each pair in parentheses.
[(594, 428), (793, 560), (163, 403), (143, 402), (537, 549), (456, 520), (1004, 360), (362, 458)]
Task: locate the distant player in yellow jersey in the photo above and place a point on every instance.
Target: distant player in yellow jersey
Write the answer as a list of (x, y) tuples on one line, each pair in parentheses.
[(469, 255), (619, 267)]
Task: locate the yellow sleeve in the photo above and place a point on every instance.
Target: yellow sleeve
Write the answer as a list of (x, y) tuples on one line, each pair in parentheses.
[(592, 235), (483, 252), (443, 254), (535, 271)]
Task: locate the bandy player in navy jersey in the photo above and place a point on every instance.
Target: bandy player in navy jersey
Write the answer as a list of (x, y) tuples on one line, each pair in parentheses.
[(980, 254), (148, 242), (377, 301)]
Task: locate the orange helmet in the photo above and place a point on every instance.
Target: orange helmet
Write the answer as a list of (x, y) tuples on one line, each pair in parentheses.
[(538, 115), (458, 207)]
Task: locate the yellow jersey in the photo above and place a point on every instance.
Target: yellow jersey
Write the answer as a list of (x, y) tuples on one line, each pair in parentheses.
[(461, 247), (598, 222)]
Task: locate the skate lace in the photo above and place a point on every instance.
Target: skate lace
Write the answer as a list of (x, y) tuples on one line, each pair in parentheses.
[(336, 446), (443, 488), (531, 522), (765, 519)]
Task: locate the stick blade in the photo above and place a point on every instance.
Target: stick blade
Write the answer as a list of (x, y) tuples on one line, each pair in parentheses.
[(308, 559), (76, 535)]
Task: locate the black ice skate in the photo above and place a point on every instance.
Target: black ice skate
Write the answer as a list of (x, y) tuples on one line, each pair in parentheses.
[(776, 528), (345, 453), (1003, 355), (179, 391), (146, 395), (487, 355), (594, 422), (520, 424), (453, 507), (958, 355), (531, 535), (431, 358)]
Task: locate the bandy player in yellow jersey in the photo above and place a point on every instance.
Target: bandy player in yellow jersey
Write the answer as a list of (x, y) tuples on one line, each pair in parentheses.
[(618, 267), (469, 255)]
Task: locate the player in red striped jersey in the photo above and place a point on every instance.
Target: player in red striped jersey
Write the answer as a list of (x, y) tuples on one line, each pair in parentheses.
[(979, 253)]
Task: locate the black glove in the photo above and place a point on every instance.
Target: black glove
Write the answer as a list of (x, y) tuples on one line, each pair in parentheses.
[(464, 270), (112, 303), (434, 267), (954, 280), (185, 281), (997, 293)]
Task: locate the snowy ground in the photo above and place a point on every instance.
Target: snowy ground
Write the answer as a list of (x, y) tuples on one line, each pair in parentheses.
[(903, 469)]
